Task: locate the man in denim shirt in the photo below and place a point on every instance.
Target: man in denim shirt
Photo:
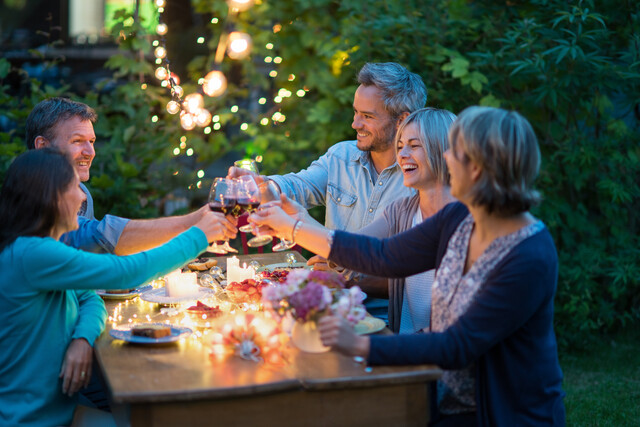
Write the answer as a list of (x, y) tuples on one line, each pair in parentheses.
[(68, 126), (356, 180)]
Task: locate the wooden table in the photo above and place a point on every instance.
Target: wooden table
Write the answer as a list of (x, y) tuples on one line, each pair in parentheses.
[(181, 385)]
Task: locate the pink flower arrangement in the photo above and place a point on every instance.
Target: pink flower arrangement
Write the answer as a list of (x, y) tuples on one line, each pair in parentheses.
[(308, 295)]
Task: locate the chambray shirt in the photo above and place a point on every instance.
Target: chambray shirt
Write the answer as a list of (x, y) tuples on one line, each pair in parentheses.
[(92, 235), (342, 181)]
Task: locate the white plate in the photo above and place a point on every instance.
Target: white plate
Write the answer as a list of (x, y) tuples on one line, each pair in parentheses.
[(125, 334), (276, 266), (159, 296), (369, 325), (134, 293)]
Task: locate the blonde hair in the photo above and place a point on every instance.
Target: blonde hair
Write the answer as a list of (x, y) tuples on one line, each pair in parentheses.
[(504, 145), (433, 127)]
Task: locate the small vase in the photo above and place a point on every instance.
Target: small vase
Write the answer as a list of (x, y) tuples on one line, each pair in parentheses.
[(306, 336)]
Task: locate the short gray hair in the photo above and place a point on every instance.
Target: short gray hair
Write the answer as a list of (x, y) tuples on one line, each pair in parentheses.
[(402, 90), (505, 146), (433, 128), (46, 115)]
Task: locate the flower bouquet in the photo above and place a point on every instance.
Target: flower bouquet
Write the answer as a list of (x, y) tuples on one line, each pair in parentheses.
[(307, 296)]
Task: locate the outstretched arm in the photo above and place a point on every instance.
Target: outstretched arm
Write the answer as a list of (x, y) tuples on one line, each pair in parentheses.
[(143, 234)]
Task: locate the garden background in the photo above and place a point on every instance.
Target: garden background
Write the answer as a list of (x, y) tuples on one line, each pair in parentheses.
[(571, 67)]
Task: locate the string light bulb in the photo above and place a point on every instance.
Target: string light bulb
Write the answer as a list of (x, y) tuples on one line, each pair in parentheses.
[(173, 107), (193, 102), (202, 117), (214, 84), (239, 45), (160, 52), (161, 29), (177, 91), (187, 121), (161, 73), (240, 5), (161, 3)]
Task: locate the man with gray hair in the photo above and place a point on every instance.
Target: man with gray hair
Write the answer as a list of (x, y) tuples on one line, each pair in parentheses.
[(356, 180)]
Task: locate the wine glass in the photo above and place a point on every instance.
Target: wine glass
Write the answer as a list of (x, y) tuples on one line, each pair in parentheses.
[(250, 165), (222, 198), (269, 193), (247, 195)]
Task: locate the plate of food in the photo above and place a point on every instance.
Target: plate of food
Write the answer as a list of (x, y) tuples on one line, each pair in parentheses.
[(369, 325), (159, 296), (202, 315), (248, 291), (122, 293), (202, 264), (284, 266), (150, 333)]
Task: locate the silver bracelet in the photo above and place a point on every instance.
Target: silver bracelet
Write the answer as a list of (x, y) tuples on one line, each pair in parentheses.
[(296, 227)]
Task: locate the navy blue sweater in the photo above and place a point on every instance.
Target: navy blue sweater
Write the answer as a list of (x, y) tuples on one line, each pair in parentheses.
[(507, 330)]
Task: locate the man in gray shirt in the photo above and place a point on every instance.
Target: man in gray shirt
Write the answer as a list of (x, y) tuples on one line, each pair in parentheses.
[(356, 180)]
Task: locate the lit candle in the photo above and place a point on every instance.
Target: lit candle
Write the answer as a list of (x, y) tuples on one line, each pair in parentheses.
[(235, 273)]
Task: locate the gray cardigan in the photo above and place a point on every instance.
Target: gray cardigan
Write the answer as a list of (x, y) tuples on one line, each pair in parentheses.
[(396, 218)]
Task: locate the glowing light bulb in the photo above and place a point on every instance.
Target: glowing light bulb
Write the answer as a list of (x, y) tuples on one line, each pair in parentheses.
[(161, 29), (264, 121), (176, 79), (240, 5), (273, 73), (193, 103), (173, 107), (187, 121), (161, 73), (160, 52), (262, 101), (177, 91), (269, 46), (234, 108), (203, 117), (215, 83), (200, 40), (268, 59), (161, 3), (300, 93), (239, 45)]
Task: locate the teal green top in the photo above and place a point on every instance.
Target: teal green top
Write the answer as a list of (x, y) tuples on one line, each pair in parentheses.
[(46, 300)]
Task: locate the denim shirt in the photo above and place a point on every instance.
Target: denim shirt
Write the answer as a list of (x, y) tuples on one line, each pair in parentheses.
[(341, 180), (92, 235)]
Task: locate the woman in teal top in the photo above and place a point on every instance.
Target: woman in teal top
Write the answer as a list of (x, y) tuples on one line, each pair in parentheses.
[(46, 302)]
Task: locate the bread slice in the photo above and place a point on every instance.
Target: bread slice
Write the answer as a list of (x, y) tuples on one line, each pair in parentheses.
[(151, 330), (202, 264)]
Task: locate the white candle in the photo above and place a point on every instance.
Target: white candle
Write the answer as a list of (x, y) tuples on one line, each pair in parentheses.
[(235, 273)]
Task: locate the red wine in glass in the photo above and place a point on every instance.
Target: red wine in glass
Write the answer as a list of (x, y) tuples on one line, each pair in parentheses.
[(247, 204), (223, 206)]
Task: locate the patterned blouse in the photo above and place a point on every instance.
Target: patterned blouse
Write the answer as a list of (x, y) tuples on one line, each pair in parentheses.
[(453, 292)]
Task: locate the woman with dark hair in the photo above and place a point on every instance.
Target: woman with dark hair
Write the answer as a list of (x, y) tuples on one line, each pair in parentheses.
[(492, 301), (47, 308)]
